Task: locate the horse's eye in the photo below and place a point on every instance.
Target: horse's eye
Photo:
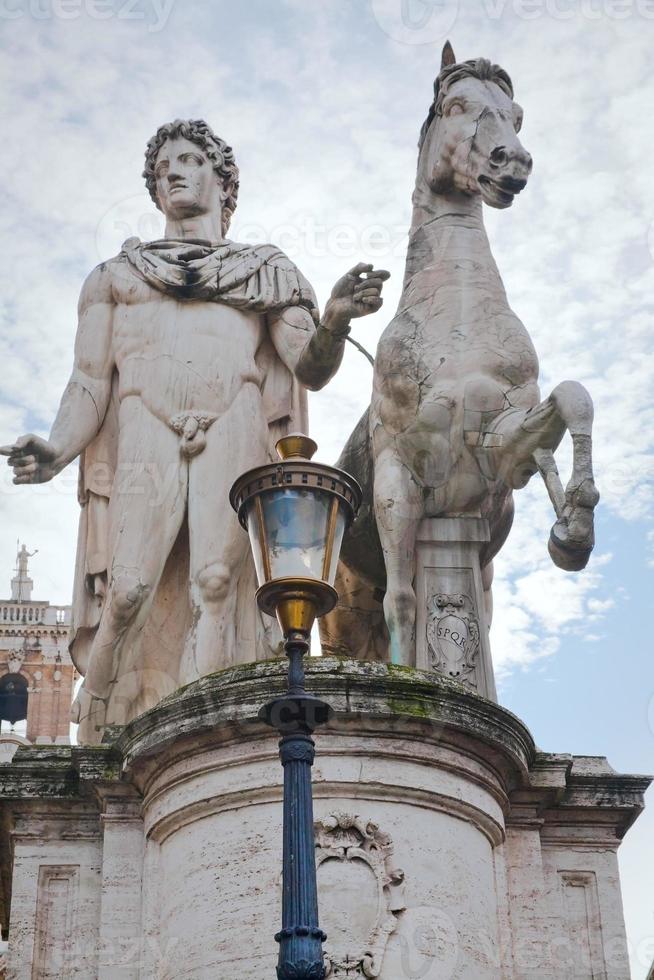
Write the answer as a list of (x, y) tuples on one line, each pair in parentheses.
[(517, 122), (455, 109)]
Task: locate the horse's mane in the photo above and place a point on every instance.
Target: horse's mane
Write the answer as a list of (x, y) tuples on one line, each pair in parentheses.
[(479, 68)]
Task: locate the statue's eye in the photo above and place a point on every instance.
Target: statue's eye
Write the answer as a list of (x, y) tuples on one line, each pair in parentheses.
[(455, 109), (517, 121)]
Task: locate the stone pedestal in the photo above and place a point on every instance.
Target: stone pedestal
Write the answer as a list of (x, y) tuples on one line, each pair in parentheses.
[(447, 845), (452, 622)]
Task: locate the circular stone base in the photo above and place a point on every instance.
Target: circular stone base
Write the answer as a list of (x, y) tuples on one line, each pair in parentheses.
[(411, 785)]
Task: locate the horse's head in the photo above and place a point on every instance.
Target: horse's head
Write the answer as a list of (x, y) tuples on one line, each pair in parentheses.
[(469, 142)]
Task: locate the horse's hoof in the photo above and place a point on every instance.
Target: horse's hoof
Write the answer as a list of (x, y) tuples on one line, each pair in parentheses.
[(571, 558)]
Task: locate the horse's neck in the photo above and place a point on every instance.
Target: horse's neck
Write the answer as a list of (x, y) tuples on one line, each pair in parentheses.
[(448, 238)]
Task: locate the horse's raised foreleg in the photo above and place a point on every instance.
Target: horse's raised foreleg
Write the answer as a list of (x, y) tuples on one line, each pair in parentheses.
[(398, 509), (528, 444), (572, 537)]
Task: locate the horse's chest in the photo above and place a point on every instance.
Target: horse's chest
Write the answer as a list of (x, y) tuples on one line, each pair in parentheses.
[(443, 348)]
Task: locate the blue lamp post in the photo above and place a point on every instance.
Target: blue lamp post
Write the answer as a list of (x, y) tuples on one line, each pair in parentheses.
[(296, 512)]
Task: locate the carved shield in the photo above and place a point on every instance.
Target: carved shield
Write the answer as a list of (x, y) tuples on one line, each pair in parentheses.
[(451, 637), (361, 894)]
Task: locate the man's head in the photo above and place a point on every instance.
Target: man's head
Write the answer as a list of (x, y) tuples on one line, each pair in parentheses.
[(189, 170)]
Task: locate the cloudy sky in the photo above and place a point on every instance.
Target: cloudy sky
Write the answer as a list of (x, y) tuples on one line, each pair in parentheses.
[(322, 103)]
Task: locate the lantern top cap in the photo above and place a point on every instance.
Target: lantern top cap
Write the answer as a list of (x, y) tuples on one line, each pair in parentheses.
[(295, 445)]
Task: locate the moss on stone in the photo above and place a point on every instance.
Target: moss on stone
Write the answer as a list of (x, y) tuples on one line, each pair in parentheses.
[(414, 707)]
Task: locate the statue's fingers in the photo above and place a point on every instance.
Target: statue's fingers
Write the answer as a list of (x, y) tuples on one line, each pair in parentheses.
[(360, 268), (27, 440), (21, 460), (8, 450), (369, 284), (366, 294), (374, 302), (27, 478), (25, 469), (382, 274)]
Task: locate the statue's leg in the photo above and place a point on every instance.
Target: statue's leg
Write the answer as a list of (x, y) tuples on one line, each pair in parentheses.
[(398, 509), (572, 537), (236, 442), (146, 511), (529, 441), (487, 574)]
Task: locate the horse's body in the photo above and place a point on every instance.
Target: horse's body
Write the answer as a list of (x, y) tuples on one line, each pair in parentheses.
[(456, 422)]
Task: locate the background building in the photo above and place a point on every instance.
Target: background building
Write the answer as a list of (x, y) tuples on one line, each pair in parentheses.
[(36, 672)]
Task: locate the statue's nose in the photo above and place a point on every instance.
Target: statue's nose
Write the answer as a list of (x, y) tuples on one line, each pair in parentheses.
[(512, 163)]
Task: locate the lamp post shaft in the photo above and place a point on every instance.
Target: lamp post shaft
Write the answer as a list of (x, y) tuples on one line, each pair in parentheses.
[(300, 497), (295, 716)]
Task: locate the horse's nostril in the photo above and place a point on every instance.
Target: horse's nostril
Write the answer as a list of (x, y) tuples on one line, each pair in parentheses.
[(499, 156)]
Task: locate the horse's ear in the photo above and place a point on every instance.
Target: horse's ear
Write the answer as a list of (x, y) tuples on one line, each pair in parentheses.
[(447, 58)]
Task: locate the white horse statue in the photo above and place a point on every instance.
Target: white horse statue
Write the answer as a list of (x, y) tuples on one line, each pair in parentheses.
[(456, 421)]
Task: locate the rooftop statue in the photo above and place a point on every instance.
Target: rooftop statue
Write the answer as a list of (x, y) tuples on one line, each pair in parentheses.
[(456, 422), (193, 355)]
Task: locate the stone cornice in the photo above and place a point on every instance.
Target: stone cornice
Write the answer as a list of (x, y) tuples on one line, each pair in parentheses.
[(367, 698)]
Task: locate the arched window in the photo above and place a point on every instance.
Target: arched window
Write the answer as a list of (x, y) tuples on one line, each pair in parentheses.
[(13, 698)]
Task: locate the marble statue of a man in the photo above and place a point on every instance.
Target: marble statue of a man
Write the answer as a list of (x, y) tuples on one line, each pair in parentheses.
[(193, 355)]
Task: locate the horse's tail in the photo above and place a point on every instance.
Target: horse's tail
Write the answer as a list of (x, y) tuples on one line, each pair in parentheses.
[(362, 551), (356, 627)]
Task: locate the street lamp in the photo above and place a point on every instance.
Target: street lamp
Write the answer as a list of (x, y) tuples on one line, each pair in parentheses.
[(296, 512)]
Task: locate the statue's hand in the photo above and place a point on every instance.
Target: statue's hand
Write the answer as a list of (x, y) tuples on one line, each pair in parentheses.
[(33, 460), (358, 293)]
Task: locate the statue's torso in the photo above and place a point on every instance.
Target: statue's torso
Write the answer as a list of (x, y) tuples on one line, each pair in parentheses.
[(181, 355), (455, 340), (454, 357)]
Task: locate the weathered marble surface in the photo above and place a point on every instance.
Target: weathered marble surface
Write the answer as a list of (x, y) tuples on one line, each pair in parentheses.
[(193, 355), (468, 853), (456, 421), (453, 607)]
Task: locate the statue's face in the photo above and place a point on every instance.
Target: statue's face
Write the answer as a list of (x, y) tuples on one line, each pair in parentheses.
[(186, 182)]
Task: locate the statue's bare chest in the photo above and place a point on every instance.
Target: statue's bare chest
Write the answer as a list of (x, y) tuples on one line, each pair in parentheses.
[(148, 322)]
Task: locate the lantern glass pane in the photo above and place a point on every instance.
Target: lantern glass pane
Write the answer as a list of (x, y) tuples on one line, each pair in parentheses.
[(296, 524), (339, 531), (256, 544)]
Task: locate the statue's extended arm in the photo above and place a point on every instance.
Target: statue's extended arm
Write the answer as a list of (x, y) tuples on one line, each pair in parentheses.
[(314, 354), (85, 400)]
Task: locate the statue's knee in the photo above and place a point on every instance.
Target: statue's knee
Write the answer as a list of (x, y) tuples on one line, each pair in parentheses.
[(214, 582), (129, 594)]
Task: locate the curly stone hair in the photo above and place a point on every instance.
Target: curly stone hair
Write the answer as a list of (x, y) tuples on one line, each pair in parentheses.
[(219, 153), (475, 68)]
